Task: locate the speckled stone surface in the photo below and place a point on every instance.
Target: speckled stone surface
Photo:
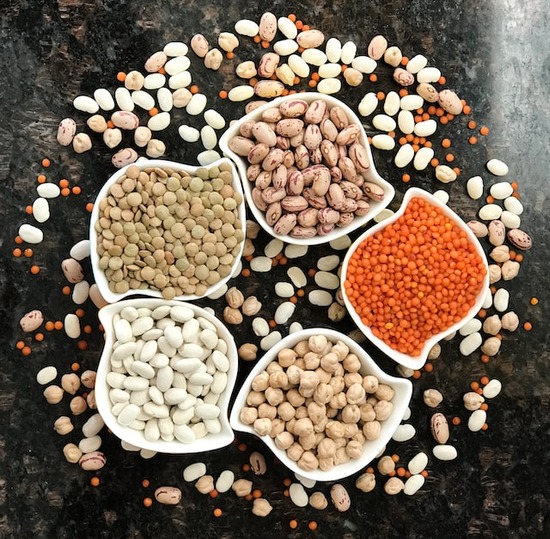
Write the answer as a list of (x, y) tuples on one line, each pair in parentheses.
[(495, 54)]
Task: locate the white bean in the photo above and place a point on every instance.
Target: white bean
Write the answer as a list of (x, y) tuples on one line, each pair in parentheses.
[(269, 341), (392, 103), (474, 186), (175, 48), (320, 298), (470, 344), (284, 311), (489, 212), (492, 389), (405, 121), (511, 204), (404, 432), (41, 210), (384, 122), (476, 420), (347, 54), (364, 64), (287, 27), (246, 27), (411, 102), (123, 99), (104, 99), (329, 86), (417, 63), (383, 142), (46, 375), (418, 463), (240, 93), (413, 484), (30, 234), (422, 158), (445, 452), (497, 167), (188, 133), (501, 300), (298, 495), (333, 50), (154, 81), (404, 155), (368, 104), (86, 104)]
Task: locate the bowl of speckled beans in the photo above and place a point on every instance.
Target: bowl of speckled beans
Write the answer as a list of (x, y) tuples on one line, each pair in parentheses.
[(165, 376), (307, 169), (167, 230)]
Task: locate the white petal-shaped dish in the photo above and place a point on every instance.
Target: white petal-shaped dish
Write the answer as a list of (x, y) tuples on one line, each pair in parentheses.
[(135, 437), (371, 449), (415, 362), (99, 275), (371, 175)]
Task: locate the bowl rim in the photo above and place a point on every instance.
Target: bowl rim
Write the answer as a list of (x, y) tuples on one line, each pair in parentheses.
[(99, 275), (406, 360), (373, 175), (403, 390), (135, 437)]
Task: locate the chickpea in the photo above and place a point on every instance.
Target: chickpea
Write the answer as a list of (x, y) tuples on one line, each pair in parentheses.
[(294, 452), (262, 426), (367, 413), (286, 357), (354, 449), (274, 396), (312, 360), (351, 378), (383, 410), (308, 382), (371, 430), (278, 379), (316, 411), (386, 465), (286, 411), (341, 350), (277, 426), (366, 482), (356, 393), (318, 500), (265, 410), (255, 398), (330, 362), (308, 461), (317, 343), (326, 448), (303, 426), (341, 456), (294, 374), (326, 463), (248, 415), (384, 392), (260, 381), (370, 384), (307, 441), (334, 429), (352, 364), (324, 376), (323, 393), (284, 440), (337, 383), (351, 413)]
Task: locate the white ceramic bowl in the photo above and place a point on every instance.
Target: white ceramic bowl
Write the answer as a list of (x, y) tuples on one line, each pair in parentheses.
[(371, 175), (135, 437), (414, 362), (371, 449), (99, 275)]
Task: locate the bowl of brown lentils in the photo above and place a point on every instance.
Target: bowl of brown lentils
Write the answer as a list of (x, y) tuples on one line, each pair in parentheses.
[(167, 230)]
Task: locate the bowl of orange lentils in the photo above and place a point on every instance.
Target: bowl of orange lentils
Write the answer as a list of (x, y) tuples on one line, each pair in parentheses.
[(414, 278)]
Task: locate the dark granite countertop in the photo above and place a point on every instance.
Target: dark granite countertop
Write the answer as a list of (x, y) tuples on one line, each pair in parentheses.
[(494, 53)]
